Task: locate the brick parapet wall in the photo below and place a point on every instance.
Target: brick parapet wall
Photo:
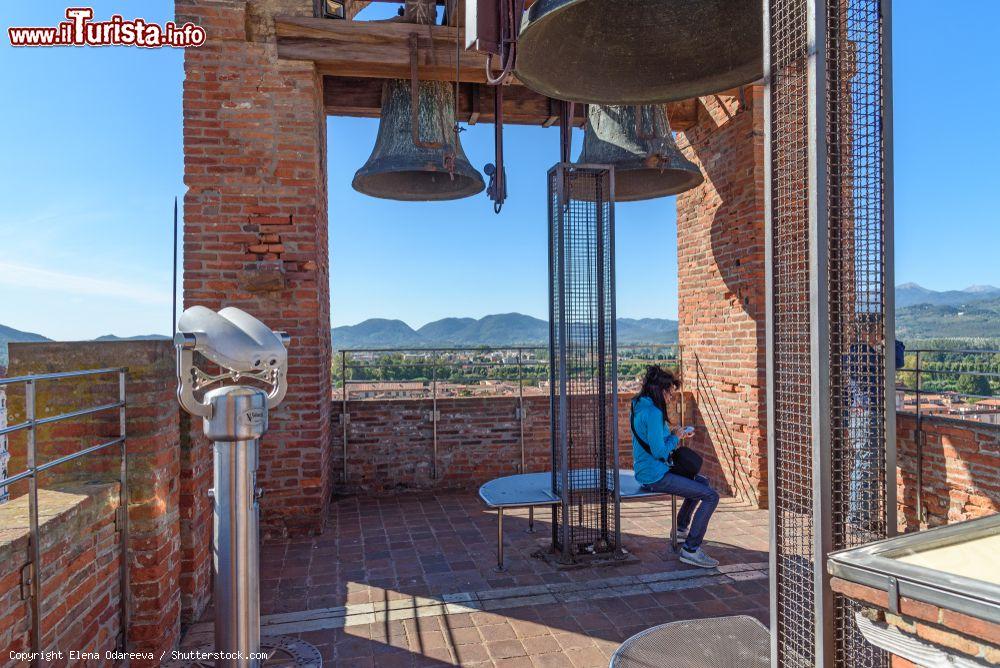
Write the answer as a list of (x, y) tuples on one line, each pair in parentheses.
[(255, 228), (81, 557), (152, 427), (950, 631), (391, 444), (961, 470), (721, 297)]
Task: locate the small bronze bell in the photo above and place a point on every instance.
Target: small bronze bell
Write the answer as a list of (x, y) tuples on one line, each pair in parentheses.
[(642, 150), (428, 167), (417, 156), (639, 51)]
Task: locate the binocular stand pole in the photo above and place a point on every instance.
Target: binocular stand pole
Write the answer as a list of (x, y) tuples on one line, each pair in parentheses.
[(237, 422)]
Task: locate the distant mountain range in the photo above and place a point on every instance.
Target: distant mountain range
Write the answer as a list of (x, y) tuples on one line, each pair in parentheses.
[(16, 335), (978, 318), (920, 314), (910, 294), (507, 329)]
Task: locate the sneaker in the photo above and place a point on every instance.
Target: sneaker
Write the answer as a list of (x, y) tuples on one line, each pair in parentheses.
[(698, 558), (682, 534)]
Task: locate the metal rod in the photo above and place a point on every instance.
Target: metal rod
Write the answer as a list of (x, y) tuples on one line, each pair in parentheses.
[(500, 567), (76, 455), (15, 478), (57, 418), (673, 522), (919, 443), (80, 413), (61, 374), (520, 407), (819, 330), (613, 316), (173, 305), (344, 415), (123, 509), (36, 547), (434, 423), (531, 519)]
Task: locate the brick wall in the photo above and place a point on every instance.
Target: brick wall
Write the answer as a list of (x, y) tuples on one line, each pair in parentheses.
[(153, 455), (81, 557), (961, 470), (721, 299), (255, 228), (949, 631), (391, 445)]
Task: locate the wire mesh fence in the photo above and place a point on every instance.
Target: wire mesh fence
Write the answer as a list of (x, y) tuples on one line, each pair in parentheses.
[(857, 304), (790, 331), (583, 374), (828, 314)]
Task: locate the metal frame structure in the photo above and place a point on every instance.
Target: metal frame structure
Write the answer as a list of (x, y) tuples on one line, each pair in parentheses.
[(30, 424), (584, 361), (828, 254)]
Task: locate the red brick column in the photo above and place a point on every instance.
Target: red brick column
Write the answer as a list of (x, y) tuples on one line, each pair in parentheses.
[(255, 229), (152, 428), (720, 257)]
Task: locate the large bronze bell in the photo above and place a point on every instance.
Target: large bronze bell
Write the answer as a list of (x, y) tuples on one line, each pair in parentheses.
[(427, 165), (638, 142), (639, 51)]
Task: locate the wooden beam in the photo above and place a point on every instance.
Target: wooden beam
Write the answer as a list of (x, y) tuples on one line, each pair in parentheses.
[(362, 97), (376, 49)]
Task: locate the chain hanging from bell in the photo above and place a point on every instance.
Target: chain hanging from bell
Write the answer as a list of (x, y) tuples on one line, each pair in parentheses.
[(639, 51), (638, 142), (417, 154)]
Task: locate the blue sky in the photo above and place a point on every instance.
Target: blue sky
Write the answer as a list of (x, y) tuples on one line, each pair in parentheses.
[(92, 160)]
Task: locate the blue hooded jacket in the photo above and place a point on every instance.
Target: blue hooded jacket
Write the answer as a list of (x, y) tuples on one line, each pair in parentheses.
[(651, 426)]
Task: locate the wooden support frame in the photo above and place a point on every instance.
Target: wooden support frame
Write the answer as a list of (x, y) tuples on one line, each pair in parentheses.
[(362, 97)]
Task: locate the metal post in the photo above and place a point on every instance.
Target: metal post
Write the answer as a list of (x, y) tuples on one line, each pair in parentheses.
[(520, 406), (123, 512), (238, 420), (919, 442), (772, 453), (36, 547), (500, 567), (345, 417), (613, 317), (819, 330), (563, 439), (889, 280), (434, 418)]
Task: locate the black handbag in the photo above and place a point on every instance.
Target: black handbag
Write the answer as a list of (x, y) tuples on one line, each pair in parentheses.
[(683, 461)]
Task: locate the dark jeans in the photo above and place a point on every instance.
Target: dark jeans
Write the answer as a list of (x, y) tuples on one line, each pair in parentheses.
[(695, 492)]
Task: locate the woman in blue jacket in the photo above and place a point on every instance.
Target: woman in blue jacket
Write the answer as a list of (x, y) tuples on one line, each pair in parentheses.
[(652, 468)]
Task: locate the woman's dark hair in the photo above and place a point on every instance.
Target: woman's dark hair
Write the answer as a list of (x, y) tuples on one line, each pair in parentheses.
[(656, 380)]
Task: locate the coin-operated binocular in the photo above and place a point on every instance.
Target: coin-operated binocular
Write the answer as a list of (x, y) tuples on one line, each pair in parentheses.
[(234, 418)]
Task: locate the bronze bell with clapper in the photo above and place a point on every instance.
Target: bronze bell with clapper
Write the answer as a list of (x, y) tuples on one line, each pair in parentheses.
[(638, 142), (639, 51), (417, 154)]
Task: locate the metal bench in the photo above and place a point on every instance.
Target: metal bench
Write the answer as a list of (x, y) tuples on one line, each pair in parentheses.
[(533, 490)]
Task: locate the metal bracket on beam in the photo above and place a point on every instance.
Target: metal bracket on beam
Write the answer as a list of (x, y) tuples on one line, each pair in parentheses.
[(893, 591)]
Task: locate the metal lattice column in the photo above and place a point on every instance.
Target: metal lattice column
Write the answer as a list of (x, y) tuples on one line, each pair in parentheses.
[(584, 364), (829, 314)]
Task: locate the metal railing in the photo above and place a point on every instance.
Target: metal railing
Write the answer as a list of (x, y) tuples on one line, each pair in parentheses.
[(33, 468), (943, 367), (431, 374)]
